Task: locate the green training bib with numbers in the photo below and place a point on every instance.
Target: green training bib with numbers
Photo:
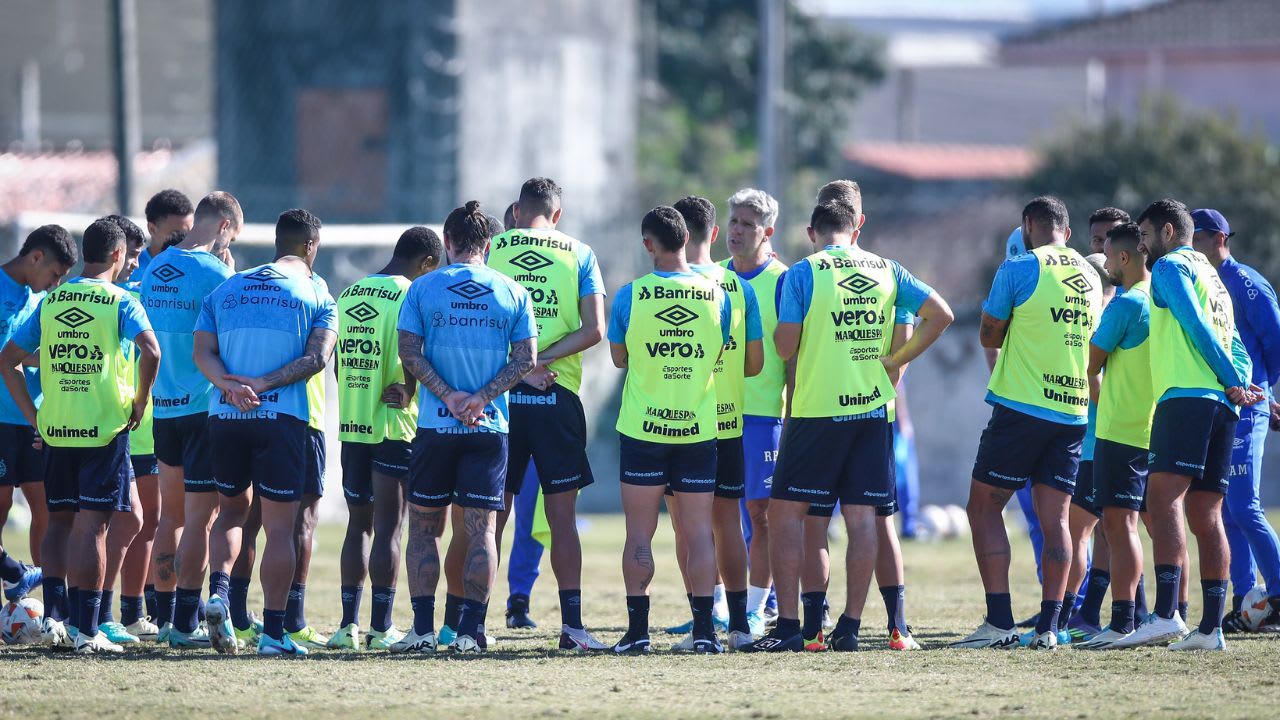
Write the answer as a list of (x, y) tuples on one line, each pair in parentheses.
[(1045, 356), (1126, 403), (673, 341), (766, 392), (731, 368), (1175, 362), (369, 360)]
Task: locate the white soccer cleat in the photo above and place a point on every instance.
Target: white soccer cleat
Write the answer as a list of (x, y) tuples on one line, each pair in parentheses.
[(1044, 641), (989, 636), (465, 644), (95, 644), (579, 639), (143, 629), (1155, 631), (415, 643), (1213, 642), (1105, 640), (54, 634), (685, 644), (738, 640)]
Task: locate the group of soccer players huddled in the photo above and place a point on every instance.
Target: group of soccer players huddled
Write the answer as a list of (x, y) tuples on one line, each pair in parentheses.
[(164, 410)]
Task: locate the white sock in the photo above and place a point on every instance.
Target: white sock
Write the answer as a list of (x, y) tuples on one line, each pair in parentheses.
[(756, 598), (721, 608)]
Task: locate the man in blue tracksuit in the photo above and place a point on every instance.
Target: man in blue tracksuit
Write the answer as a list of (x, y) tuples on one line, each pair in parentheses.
[(1253, 542)]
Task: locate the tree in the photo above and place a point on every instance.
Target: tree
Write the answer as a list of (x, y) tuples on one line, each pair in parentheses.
[(1201, 159)]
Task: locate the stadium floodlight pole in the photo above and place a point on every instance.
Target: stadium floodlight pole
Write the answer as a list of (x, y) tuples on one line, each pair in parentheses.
[(773, 17), (124, 56)]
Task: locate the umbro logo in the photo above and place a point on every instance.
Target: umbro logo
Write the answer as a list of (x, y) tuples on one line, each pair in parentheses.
[(1079, 283), (266, 274), (469, 290), (530, 261), (167, 273), (73, 317), (362, 313), (857, 283), (676, 315)]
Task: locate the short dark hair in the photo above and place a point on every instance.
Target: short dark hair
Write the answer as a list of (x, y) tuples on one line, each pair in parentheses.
[(1109, 214), (101, 238), (665, 226), (132, 233), (1126, 234), (1047, 209), (1172, 212), (538, 196), (175, 238), (418, 242), (833, 217), (55, 241), (699, 217), (295, 228), (166, 203), (509, 217), (467, 227), (219, 205)]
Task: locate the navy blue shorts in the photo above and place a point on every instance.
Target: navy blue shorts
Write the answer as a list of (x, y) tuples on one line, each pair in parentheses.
[(89, 478), (685, 468), (19, 461), (144, 465), (361, 460), (827, 509), (1120, 476), (849, 459), (467, 469), (317, 460), (1017, 449), (730, 469), (268, 454), (1085, 496), (1194, 437), (550, 428), (184, 442), (760, 438)]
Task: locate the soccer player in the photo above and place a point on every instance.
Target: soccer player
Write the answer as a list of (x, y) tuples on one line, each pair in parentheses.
[(260, 335), (18, 577), (1041, 311), (467, 334), (46, 257), (377, 414), (836, 319), (1124, 404), (1251, 538), (167, 212), (667, 330), (172, 289), (548, 425), (1200, 375), (753, 215), (91, 402)]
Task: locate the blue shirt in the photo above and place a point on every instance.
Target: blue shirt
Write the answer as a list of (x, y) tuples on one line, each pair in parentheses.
[(1125, 323), (468, 317), (751, 319), (263, 317), (133, 320), (17, 305), (590, 281), (797, 292), (1172, 287), (1257, 320), (172, 289), (620, 317), (144, 259)]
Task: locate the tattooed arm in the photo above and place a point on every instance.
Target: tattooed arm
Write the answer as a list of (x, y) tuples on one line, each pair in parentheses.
[(524, 355), (417, 366), (315, 355)]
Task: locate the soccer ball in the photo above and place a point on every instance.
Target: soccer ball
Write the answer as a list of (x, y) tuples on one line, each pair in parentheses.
[(959, 520), (1255, 608), (20, 621), (936, 522)]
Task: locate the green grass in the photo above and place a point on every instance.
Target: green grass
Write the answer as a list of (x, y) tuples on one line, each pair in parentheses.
[(524, 678)]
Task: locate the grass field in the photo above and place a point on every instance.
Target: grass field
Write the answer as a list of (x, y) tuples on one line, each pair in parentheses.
[(525, 678)]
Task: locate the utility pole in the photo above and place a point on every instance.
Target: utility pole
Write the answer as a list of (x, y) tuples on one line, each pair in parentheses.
[(124, 66), (773, 49)]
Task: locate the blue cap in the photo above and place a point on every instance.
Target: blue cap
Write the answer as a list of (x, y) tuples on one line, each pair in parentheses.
[(1210, 221)]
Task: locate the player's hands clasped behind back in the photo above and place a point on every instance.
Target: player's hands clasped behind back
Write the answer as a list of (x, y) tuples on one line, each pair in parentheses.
[(1251, 395)]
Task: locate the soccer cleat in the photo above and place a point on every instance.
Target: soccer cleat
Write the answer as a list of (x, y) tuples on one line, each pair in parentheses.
[(309, 638), (720, 622), (1079, 629), (902, 641), (466, 645), (579, 639), (817, 644), (777, 643), (1156, 631), (827, 623), (632, 646), (1197, 640), (116, 633), (248, 637), (415, 643), (708, 646), (1064, 637), (989, 636), (446, 636), (382, 639), (1270, 623), (95, 645), (1044, 641), (30, 580), (222, 634), (847, 642), (1105, 640), (1029, 622), (756, 624), (685, 644), (162, 635), (284, 647), (738, 640), (143, 629), (682, 629), (198, 638), (54, 634), (347, 638), (518, 614), (1234, 623)]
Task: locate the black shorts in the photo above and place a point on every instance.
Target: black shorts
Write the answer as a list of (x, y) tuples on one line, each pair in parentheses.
[(144, 465), (268, 454), (89, 478), (1085, 496), (361, 460), (317, 459), (849, 459), (1120, 476), (684, 468), (550, 428), (827, 509), (1194, 437), (731, 469), (184, 442), (1017, 449), (467, 469), (19, 461)]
